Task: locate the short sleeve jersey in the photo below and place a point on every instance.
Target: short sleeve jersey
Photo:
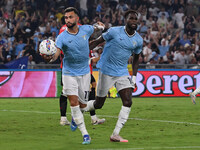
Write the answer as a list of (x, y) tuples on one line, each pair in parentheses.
[(76, 50), (117, 50)]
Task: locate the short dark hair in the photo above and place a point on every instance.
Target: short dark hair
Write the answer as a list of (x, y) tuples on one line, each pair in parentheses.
[(69, 9), (130, 11)]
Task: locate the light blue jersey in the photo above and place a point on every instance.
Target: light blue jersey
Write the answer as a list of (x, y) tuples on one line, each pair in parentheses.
[(76, 50), (117, 50)]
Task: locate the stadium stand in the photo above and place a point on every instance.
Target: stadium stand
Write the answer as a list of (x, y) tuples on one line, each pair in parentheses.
[(25, 23)]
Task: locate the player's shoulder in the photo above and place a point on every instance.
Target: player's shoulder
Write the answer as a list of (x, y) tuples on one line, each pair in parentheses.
[(61, 34), (117, 28), (114, 30), (88, 29), (86, 26), (139, 37)]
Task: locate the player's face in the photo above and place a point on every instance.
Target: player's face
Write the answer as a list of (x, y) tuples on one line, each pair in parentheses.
[(132, 21), (71, 19)]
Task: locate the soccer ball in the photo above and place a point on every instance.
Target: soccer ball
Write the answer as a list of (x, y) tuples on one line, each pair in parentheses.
[(47, 47)]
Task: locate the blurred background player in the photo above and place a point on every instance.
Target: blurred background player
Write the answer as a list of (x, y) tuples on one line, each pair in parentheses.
[(94, 119), (193, 95)]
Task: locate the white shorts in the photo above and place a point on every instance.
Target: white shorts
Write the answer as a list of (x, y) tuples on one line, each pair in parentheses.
[(105, 82), (77, 85)]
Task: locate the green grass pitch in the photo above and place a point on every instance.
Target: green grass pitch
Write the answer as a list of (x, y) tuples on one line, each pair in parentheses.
[(154, 123)]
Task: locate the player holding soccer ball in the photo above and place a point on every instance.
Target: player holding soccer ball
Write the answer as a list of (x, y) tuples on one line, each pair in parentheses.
[(121, 43), (76, 72), (63, 99)]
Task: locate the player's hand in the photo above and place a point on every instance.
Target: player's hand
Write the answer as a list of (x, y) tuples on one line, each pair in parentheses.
[(99, 26)]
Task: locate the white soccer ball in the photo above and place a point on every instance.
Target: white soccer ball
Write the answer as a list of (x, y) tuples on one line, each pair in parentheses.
[(47, 47)]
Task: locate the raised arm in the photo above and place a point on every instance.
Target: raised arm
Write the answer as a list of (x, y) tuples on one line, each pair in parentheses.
[(155, 41), (174, 40)]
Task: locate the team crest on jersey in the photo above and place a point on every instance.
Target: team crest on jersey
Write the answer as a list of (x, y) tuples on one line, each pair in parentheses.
[(134, 43), (84, 37)]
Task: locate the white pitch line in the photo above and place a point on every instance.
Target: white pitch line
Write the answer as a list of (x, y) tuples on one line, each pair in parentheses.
[(167, 121), (106, 116), (37, 112), (182, 147)]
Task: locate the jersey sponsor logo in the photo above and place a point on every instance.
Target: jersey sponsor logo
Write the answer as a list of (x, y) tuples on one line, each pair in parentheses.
[(167, 83)]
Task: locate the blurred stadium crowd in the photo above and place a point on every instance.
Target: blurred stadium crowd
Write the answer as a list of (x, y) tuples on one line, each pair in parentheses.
[(170, 28)]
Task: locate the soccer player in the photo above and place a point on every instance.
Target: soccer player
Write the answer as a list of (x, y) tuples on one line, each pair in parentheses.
[(63, 99), (193, 95), (121, 43), (76, 72)]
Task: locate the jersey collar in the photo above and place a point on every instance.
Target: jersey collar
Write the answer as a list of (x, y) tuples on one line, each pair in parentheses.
[(72, 33), (129, 34)]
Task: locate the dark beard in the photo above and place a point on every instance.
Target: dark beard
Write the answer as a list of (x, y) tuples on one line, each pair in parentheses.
[(71, 26), (132, 28)]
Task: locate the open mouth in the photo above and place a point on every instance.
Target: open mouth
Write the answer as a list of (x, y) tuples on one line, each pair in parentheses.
[(69, 24), (134, 25)]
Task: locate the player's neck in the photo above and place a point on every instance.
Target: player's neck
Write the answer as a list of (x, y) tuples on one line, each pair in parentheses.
[(129, 32), (73, 30)]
